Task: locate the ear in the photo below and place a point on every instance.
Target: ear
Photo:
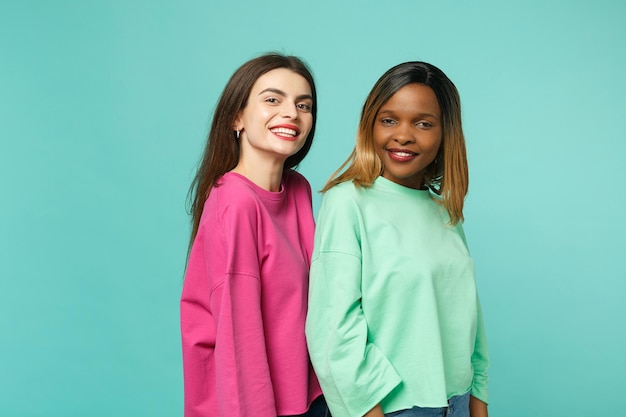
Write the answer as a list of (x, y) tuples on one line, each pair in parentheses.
[(238, 123)]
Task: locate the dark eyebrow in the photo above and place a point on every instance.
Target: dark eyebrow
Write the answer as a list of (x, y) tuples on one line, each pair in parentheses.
[(282, 93), (382, 112)]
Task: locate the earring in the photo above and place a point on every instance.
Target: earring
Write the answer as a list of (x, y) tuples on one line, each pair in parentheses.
[(237, 133)]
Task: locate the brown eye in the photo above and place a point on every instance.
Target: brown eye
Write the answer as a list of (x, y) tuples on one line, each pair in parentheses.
[(304, 107)]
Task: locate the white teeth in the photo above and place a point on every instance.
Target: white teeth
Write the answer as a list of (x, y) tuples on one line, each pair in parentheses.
[(403, 154), (284, 130)]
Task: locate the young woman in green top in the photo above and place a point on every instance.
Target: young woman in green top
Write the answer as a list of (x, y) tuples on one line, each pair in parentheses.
[(394, 325)]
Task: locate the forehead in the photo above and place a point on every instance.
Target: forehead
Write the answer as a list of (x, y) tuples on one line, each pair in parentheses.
[(413, 97), (282, 79)]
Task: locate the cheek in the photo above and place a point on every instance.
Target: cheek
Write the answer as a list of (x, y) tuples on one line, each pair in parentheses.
[(435, 142), (308, 122), (260, 114), (377, 138), (437, 145), (379, 149)]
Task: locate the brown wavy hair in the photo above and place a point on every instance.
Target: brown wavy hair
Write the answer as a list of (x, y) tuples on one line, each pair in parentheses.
[(447, 176), (221, 153)]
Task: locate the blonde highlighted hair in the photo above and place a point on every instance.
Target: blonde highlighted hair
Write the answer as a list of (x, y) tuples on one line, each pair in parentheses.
[(447, 176)]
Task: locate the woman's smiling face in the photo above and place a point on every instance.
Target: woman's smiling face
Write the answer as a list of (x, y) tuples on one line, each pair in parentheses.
[(408, 133), (277, 118)]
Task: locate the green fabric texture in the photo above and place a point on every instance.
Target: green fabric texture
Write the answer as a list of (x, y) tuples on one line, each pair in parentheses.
[(394, 316)]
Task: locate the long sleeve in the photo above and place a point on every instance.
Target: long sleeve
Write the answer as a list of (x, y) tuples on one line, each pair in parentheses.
[(354, 373), (198, 343), (224, 353), (244, 384), (480, 356), (480, 360)]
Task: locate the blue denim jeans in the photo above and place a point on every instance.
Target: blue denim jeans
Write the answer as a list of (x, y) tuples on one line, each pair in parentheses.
[(318, 408), (457, 407)]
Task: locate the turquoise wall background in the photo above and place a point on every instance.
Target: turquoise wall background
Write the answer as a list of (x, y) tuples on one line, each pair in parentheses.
[(104, 110)]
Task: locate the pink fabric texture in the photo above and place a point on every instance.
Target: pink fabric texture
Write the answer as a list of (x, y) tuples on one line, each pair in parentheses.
[(244, 302)]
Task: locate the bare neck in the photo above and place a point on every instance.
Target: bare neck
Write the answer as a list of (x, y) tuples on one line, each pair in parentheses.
[(263, 173)]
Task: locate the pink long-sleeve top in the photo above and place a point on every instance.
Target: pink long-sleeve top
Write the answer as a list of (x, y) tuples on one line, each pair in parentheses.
[(244, 302)]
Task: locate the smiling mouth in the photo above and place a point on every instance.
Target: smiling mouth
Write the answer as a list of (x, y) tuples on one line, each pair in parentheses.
[(285, 132), (401, 156)]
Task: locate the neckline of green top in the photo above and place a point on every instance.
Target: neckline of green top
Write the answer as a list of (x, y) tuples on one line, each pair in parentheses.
[(384, 183)]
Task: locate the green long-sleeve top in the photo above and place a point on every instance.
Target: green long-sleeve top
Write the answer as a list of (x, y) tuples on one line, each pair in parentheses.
[(394, 316)]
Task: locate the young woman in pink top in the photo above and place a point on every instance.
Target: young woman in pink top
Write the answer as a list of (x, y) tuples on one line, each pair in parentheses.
[(243, 305)]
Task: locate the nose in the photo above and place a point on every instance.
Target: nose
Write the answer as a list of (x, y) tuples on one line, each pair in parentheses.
[(288, 109), (404, 134)]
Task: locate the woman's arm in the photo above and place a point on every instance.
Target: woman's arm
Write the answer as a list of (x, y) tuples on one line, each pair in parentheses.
[(224, 357), (477, 407), (480, 360), (354, 374)]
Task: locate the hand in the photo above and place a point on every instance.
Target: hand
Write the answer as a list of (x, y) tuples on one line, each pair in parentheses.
[(375, 412), (477, 408)]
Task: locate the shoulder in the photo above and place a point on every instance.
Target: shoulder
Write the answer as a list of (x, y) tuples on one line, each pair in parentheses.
[(343, 200), (231, 197), (345, 187), (235, 189), (346, 192), (293, 179), (297, 185), (340, 219)]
